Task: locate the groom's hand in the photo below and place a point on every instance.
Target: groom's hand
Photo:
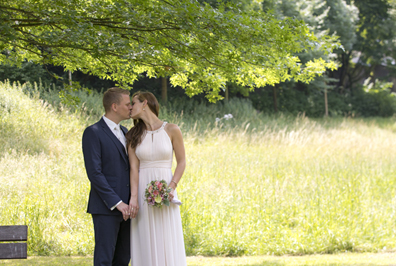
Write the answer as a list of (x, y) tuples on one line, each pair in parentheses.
[(124, 209)]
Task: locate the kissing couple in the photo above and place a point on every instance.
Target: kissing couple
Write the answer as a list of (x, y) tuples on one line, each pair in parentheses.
[(119, 165)]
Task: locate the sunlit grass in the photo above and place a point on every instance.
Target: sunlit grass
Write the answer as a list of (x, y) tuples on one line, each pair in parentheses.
[(42, 175), (345, 259), (265, 185), (300, 191)]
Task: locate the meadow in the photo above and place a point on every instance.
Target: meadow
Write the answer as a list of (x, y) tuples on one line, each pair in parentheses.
[(254, 184)]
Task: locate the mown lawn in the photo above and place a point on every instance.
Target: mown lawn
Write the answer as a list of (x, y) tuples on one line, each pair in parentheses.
[(366, 259)]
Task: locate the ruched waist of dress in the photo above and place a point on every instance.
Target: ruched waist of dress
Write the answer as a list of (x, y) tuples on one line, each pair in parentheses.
[(155, 164)]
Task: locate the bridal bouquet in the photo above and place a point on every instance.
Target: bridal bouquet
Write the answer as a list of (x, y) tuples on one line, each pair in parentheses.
[(157, 193)]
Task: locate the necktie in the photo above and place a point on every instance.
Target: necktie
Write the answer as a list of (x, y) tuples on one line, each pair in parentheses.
[(120, 136)]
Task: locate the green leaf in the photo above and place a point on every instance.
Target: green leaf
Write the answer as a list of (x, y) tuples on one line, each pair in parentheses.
[(200, 48)]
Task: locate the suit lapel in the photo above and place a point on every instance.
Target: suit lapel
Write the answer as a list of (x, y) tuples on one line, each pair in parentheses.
[(115, 140), (124, 130)]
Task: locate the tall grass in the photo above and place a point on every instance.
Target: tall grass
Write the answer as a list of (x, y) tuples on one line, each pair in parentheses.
[(254, 184), (42, 174), (308, 190)]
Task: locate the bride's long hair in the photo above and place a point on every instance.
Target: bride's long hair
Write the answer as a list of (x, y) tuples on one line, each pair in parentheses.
[(135, 134)]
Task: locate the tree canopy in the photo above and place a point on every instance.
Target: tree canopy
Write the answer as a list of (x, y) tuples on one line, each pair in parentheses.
[(199, 47)]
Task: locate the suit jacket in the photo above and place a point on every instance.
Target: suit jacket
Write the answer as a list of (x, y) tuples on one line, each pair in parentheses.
[(107, 166)]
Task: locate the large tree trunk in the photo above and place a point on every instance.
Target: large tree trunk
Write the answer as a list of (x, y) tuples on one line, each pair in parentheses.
[(226, 93), (164, 90), (275, 99), (70, 78), (344, 71), (326, 103)]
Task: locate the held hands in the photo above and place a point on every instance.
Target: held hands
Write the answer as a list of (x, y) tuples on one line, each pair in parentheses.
[(133, 207), (124, 209)]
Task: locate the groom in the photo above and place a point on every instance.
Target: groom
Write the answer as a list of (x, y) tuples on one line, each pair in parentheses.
[(107, 166)]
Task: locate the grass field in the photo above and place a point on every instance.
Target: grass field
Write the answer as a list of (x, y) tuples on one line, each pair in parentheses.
[(254, 184), (345, 259)]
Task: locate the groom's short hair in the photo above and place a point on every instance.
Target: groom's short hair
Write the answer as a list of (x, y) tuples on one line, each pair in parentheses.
[(113, 95)]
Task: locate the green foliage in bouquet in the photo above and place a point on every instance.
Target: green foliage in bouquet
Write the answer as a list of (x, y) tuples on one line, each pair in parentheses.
[(157, 193)]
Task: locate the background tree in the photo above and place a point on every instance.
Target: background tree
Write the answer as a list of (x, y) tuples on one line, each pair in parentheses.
[(314, 13), (199, 47), (371, 42)]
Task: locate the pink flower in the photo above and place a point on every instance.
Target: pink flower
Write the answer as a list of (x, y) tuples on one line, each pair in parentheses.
[(156, 192)]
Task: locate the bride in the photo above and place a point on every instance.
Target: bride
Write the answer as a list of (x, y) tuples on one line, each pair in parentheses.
[(156, 233)]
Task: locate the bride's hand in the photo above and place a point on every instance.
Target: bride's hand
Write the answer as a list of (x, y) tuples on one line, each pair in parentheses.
[(133, 207), (171, 194)]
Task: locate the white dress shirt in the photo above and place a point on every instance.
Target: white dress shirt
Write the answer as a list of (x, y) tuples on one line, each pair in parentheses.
[(116, 129)]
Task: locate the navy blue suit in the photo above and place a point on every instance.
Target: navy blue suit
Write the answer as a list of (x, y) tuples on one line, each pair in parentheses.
[(107, 167)]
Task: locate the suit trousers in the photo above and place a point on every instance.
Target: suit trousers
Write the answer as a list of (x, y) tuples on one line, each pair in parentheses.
[(112, 240)]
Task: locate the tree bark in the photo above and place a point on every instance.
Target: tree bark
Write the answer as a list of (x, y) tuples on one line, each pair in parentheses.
[(344, 70), (275, 99), (326, 103), (70, 78), (164, 90), (226, 93)]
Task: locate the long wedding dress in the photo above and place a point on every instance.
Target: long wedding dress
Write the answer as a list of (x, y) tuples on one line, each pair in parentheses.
[(156, 233)]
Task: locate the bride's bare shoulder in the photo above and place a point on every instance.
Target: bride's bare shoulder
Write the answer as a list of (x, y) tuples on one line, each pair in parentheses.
[(172, 128)]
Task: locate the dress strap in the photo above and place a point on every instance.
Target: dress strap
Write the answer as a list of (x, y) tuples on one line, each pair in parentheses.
[(163, 125), (155, 131)]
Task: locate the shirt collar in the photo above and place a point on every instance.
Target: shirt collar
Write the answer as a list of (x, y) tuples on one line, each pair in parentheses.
[(112, 125)]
